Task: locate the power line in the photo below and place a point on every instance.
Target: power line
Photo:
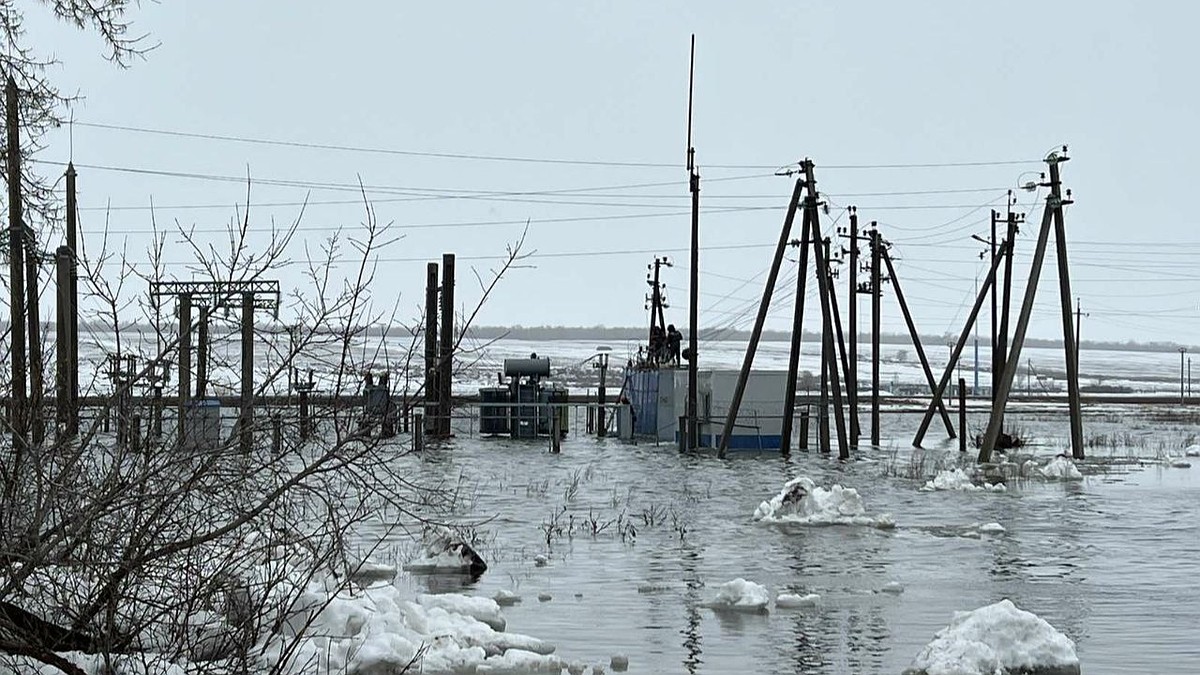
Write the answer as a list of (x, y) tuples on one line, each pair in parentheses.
[(517, 158)]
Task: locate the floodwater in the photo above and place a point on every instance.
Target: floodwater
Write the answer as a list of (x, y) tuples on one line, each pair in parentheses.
[(1111, 561)]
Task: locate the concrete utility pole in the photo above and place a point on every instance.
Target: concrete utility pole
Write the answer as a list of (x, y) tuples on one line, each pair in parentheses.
[(446, 355), (876, 291), (431, 348), (19, 412), (852, 329), (72, 332)]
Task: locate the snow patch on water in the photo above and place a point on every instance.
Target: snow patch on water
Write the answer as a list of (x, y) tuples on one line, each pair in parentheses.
[(1060, 468), (995, 639), (957, 479), (1192, 451), (796, 601), (802, 502), (741, 596)]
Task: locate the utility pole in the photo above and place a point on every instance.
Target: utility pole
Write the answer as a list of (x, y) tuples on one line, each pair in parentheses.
[(876, 291), (431, 349), (72, 332), (694, 283), (852, 328), (1182, 396), (789, 395), (1052, 217), (756, 334), (446, 362), (16, 280), (825, 287)]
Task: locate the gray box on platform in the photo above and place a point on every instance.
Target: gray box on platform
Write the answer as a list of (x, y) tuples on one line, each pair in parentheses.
[(202, 424)]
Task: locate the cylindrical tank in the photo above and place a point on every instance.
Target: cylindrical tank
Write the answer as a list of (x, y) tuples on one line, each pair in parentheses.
[(493, 410), (527, 367)]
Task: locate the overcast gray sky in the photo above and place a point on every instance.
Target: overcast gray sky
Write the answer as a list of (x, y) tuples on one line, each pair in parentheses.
[(847, 84)]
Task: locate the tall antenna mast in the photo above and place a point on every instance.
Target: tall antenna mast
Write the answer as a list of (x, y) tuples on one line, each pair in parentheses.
[(691, 414)]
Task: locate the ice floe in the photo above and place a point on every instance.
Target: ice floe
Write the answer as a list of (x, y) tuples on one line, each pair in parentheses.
[(957, 479), (741, 596), (442, 550), (796, 601), (997, 639), (1060, 468), (802, 502)]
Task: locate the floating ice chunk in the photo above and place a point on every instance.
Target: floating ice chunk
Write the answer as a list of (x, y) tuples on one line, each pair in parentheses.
[(469, 631), (998, 638), (619, 663), (506, 598), (742, 596), (893, 587), (545, 597), (992, 528), (1192, 451), (369, 571), (795, 601), (576, 668), (802, 502), (541, 560), (481, 609), (957, 479), (1061, 468), (520, 662)]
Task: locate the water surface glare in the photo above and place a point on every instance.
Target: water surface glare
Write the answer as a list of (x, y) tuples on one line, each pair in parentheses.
[(1110, 561)]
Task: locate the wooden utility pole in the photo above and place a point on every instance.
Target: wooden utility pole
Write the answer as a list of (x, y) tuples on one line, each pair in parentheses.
[(19, 404), (789, 392), (876, 291), (446, 374), (1051, 217), (431, 348), (692, 410), (756, 333), (995, 322)]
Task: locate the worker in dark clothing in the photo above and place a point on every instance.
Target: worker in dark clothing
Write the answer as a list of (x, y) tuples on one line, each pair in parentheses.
[(674, 339), (657, 344)]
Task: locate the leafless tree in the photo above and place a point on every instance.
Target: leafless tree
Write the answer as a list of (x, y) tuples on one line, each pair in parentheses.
[(132, 546)]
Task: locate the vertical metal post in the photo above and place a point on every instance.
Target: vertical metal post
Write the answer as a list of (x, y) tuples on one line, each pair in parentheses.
[(185, 362), (962, 415), (156, 423), (793, 369), (431, 348), (33, 316), (418, 431), (277, 434), (63, 364), (555, 430), (305, 415), (247, 417), (19, 405), (740, 388), (73, 319), (803, 444), (602, 396), (1182, 396), (876, 292), (202, 349), (446, 353)]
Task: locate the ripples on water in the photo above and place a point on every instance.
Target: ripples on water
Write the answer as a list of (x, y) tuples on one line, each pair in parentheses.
[(1110, 561)]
